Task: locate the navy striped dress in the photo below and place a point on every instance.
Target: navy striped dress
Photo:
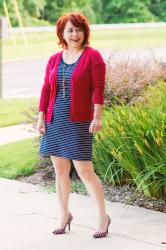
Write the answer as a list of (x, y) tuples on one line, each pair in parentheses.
[(64, 138)]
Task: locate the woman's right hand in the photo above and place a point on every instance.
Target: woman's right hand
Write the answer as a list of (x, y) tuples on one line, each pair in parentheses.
[(40, 128)]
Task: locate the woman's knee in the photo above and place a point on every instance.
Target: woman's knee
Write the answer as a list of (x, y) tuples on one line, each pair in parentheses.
[(84, 170), (62, 166)]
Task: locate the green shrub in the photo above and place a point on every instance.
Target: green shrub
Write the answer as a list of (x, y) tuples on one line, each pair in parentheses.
[(131, 148)]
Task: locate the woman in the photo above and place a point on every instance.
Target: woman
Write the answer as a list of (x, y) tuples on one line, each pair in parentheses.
[(70, 111)]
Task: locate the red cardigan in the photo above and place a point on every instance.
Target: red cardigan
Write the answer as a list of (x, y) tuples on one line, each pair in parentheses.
[(87, 85)]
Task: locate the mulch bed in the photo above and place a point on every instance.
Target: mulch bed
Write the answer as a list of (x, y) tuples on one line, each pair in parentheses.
[(125, 194)]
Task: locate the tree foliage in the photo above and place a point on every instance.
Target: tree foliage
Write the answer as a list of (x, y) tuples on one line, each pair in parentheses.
[(122, 11), (40, 12)]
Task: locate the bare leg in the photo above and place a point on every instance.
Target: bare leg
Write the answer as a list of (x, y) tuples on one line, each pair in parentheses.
[(94, 187), (62, 168)]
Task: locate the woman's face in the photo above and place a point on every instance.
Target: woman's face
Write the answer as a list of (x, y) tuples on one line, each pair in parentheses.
[(73, 36)]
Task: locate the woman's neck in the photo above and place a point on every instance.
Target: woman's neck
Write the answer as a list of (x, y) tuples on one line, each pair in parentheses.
[(75, 50), (71, 55)]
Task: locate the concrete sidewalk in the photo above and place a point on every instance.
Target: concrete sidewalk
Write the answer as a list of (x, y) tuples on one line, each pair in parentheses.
[(16, 133), (28, 215)]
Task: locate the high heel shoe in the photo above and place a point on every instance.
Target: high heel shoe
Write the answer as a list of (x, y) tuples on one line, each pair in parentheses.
[(63, 229), (103, 234)]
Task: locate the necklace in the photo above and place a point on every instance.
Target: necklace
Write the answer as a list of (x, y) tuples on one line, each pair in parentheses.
[(64, 76)]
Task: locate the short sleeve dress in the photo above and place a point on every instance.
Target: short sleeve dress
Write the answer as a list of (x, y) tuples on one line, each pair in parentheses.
[(64, 138)]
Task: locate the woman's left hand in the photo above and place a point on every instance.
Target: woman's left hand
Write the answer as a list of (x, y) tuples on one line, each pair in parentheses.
[(96, 125)]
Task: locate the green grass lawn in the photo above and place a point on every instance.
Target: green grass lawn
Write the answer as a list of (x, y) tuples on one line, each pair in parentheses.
[(18, 158), (12, 110), (40, 44), (125, 38)]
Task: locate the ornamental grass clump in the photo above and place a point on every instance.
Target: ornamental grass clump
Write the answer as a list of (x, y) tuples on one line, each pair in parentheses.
[(127, 78), (131, 148)]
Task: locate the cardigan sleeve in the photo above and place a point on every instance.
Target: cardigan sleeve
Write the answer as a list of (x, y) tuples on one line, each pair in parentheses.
[(98, 71), (45, 91)]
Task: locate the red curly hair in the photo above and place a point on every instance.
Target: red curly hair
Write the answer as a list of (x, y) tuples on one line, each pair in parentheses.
[(78, 20)]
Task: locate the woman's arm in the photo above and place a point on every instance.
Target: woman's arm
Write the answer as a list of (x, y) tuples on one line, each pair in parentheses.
[(98, 108), (40, 127), (41, 115), (45, 91), (98, 71), (44, 100), (96, 123)]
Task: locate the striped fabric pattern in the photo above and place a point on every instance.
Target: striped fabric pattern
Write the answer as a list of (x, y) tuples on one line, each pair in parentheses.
[(64, 138)]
